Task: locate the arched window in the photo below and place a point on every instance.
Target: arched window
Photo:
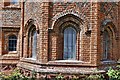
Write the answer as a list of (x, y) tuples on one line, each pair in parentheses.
[(69, 43), (34, 44), (12, 43), (106, 45)]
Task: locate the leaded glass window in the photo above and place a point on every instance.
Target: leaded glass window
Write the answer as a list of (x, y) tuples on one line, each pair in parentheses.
[(106, 45), (12, 43), (34, 44), (69, 43)]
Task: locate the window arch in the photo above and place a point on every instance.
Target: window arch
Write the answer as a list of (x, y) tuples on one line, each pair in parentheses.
[(69, 43), (106, 45), (12, 43), (109, 37)]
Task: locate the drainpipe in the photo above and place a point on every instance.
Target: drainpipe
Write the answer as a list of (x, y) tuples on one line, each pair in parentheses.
[(23, 3)]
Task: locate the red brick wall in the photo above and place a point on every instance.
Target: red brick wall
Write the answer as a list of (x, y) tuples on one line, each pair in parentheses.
[(113, 16), (49, 19), (10, 21), (87, 45), (118, 30), (50, 43)]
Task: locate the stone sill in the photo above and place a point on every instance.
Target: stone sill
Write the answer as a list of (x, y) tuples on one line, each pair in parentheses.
[(15, 6), (108, 62), (71, 63), (11, 26), (58, 63), (58, 69), (67, 61), (9, 59), (30, 60), (10, 56), (12, 52)]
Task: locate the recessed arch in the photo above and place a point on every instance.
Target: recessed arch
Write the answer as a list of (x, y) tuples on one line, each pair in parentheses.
[(31, 30), (73, 15), (32, 42), (67, 24), (108, 39), (28, 25), (108, 24)]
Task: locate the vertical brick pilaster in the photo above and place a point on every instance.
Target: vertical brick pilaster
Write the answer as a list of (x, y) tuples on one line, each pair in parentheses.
[(98, 36), (119, 29), (0, 31), (1, 5), (45, 22), (94, 34)]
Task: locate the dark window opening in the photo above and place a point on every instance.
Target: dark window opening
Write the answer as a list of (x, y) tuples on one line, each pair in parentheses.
[(12, 43)]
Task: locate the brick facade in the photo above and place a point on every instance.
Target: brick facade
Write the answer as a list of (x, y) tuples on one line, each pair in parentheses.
[(10, 25), (50, 19)]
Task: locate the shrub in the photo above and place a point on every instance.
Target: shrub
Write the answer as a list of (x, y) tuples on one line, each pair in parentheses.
[(16, 75), (114, 74), (95, 77), (59, 77)]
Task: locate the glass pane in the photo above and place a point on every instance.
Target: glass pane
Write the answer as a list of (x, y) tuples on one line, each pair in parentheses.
[(34, 44), (69, 43), (14, 1), (12, 43), (106, 44), (74, 44), (65, 45)]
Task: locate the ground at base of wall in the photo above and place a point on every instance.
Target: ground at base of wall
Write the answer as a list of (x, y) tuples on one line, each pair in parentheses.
[(17, 74)]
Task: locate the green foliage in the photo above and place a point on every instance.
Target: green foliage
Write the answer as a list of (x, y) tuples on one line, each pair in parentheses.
[(114, 74), (33, 75), (118, 66), (75, 77), (96, 77), (59, 77), (16, 75)]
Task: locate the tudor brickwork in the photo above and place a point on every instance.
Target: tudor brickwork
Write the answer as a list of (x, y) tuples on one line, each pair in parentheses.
[(50, 16), (90, 49), (33, 11), (118, 28), (50, 19), (84, 47), (110, 11), (10, 17)]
